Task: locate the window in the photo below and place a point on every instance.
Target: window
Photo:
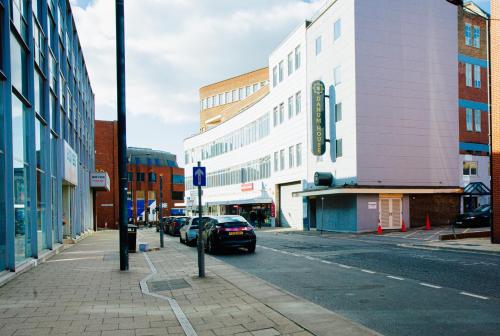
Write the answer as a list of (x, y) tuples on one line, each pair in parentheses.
[(297, 103), (470, 168), (290, 107), (248, 90), (282, 159), (337, 75), (178, 179), (338, 148), (468, 74), (216, 100), (477, 120), (318, 45), (276, 167), (298, 154), (477, 76), (241, 93), (235, 95), (177, 195), (282, 113), (151, 177), (280, 71), (275, 116), (338, 112), (337, 30), (222, 99), (275, 76), (255, 88), (19, 66), (139, 177), (210, 102), (477, 37), (290, 63), (130, 176), (39, 94), (468, 119), (297, 57), (229, 98), (291, 159), (467, 32)]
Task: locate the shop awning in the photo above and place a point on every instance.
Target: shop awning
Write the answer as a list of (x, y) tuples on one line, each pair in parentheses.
[(377, 190), (257, 200)]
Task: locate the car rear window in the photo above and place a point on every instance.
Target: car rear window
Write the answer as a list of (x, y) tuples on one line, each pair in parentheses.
[(236, 224)]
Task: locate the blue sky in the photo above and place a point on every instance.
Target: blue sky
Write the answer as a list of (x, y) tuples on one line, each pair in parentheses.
[(169, 56)]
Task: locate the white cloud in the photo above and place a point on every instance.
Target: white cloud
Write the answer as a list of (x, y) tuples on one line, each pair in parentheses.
[(174, 47)]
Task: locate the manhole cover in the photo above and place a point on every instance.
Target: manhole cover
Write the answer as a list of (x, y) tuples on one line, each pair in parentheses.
[(163, 285)]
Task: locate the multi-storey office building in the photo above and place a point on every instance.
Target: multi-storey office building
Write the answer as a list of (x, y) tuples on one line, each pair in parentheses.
[(46, 130), (473, 100), (393, 129)]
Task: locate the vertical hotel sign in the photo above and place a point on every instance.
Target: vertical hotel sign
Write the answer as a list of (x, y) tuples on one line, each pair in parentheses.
[(318, 118)]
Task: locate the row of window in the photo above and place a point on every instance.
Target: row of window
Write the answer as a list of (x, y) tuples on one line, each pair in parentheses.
[(472, 35), (248, 134), (231, 96), (294, 158), (139, 196), (293, 63), (469, 78), (336, 33), (152, 177), (250, 171), (279, 111), (473, 120)]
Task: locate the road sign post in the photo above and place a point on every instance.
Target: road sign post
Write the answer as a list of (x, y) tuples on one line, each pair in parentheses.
[(199, 180), (162, 240)]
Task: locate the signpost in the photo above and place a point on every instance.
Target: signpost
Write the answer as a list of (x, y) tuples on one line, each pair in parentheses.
[(318, 118), (200, 180), (162, 241)]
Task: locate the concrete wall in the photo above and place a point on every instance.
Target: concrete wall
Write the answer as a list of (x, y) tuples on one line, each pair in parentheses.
[(406, 85)]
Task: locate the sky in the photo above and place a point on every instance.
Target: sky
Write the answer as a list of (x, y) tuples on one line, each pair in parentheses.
[(174, 47)]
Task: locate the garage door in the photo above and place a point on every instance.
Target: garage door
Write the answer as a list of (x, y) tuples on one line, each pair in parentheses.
[(290, 207)]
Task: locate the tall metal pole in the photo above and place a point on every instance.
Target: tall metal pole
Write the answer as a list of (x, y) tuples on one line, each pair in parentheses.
[(322, 213), (162, 243), (122, 132), (201, 250)]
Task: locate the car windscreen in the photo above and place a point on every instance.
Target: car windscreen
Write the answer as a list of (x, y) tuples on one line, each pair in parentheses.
[(196, 221)]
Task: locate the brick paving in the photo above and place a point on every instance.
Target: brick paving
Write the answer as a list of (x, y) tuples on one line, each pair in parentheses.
[(82, 292)]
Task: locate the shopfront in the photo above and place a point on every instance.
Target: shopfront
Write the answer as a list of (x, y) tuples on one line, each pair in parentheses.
[(70, 182)]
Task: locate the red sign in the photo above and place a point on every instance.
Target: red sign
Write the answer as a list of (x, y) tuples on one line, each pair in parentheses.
[(273, 210), (247, 186)]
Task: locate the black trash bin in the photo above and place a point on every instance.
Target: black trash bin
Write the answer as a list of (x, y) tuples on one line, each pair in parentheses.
[(132, 238)]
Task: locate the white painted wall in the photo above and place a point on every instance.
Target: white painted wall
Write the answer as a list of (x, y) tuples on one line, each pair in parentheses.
[(407, 93)]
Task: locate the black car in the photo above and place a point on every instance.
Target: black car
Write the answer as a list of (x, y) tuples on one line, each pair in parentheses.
[(228, 231), (476, 218)]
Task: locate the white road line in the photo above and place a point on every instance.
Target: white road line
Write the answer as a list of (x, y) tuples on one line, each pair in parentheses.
[(295, 254), (367, 271), (395, 277), (466, 230), (430, 285), (474, 295), (325, 261), (310, 258), (344, 266), (273, 249)]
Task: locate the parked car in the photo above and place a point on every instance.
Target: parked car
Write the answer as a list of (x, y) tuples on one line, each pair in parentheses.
[(228, 231), (478, 217), (165, 222), (188, 234), (175, 225)]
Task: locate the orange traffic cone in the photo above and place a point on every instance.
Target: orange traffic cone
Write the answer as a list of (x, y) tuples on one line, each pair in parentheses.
[(427, 223), (403, 226), (379, 228)]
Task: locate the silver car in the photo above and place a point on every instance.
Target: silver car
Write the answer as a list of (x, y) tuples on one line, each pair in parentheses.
[(189, 232)]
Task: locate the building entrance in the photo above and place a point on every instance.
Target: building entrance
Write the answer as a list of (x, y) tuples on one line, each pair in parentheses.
[(390, 212)]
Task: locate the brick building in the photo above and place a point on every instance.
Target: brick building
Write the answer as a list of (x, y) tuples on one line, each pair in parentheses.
[(473, 100), (495, 111), (144, 170)]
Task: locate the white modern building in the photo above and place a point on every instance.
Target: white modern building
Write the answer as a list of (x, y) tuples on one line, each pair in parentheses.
[(393, 150)]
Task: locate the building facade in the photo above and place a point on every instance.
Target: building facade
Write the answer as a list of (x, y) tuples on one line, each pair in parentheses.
[(46, 130), (495, 110), (473, 84), (145, 166), (391, 122)]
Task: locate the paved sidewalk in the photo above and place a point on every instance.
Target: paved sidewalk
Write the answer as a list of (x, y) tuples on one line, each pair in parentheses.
[(469, 244), (82, 292)]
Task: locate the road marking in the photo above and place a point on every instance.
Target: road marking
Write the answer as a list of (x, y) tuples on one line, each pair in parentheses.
[(466, 230), (474, 295), (295, 254), (395, 277), (367, 271), (310, 258), (430, 285), (273, 249), (344, 266), (325, 261)]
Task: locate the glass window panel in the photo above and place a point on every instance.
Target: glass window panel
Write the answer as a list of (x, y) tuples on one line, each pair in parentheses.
[(290, 63), (40, 184), (468, 119), (477, 120), (280, 71), (318, 45), (282, 159), (19, 70), (337, 30), (338, 112), (297, 57), (298, 102), (298, 154), (338, 148)]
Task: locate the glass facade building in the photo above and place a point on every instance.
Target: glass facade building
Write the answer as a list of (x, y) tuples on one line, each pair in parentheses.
[(46, 130)]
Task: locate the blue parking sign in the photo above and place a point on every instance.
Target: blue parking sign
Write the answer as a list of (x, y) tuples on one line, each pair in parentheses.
[(199, 176)]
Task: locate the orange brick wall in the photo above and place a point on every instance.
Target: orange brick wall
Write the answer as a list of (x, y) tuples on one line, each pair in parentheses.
[(495, 110)]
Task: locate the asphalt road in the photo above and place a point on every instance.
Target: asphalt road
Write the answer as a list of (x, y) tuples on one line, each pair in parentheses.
[(393, 290)]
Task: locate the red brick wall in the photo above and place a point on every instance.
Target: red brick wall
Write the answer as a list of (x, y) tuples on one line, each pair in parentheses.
[(106, 158), (472, 136), (495, 110)]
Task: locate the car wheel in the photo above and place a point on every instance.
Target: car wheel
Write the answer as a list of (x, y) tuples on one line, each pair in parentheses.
[(251, 248)]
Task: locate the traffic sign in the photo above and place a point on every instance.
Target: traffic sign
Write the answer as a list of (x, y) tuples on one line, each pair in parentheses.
[(199, 176)]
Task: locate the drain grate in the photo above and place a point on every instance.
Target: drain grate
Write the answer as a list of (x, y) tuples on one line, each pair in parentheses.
[(164, 285)]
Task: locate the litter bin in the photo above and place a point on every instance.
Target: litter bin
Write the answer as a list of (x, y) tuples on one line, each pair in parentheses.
[(132, 237)]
